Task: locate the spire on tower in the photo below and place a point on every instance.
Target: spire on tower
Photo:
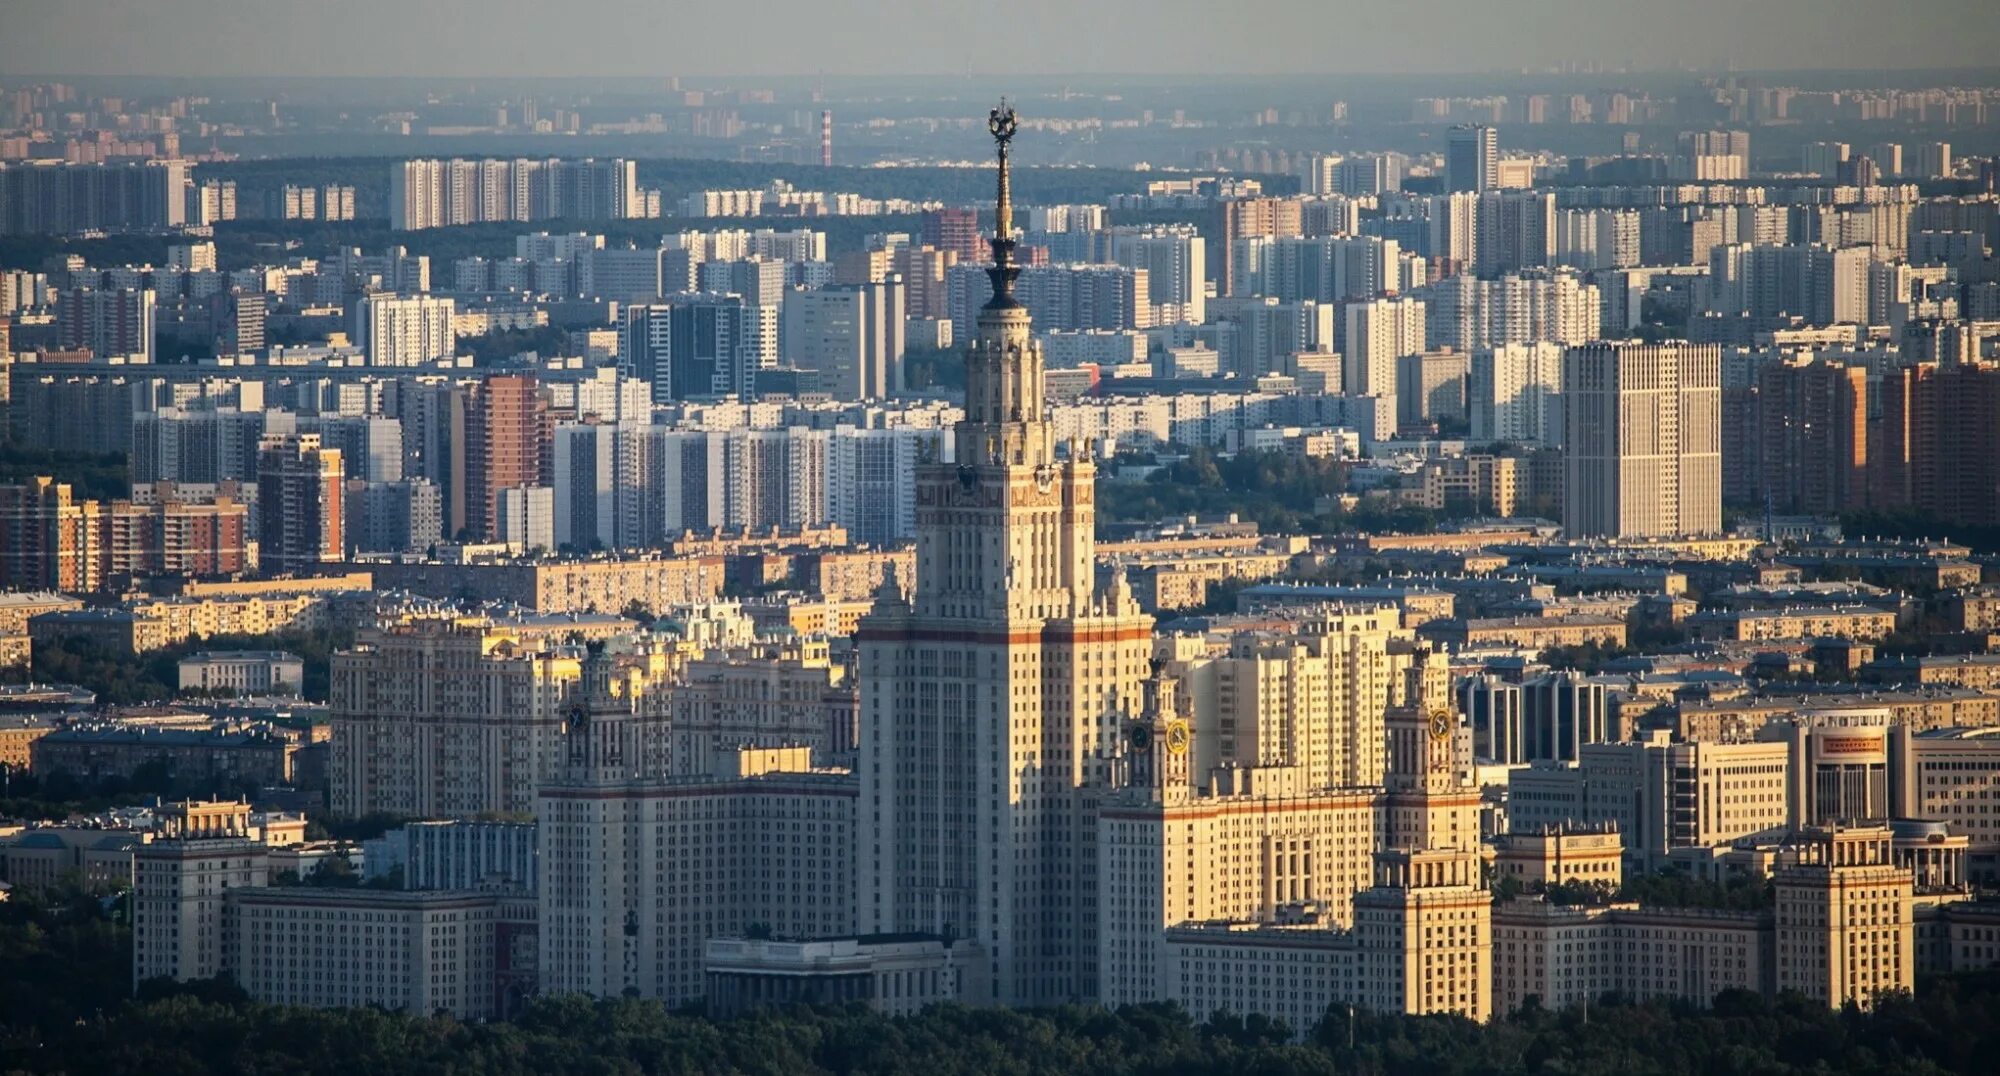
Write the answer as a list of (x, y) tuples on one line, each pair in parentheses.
[(1001, 124)]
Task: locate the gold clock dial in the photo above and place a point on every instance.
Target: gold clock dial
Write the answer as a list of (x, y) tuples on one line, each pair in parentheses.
[(1442, 722), (1178, 737)]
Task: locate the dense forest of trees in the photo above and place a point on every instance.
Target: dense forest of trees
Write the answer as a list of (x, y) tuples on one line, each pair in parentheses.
[(64, 967), (1276, 490), (155, 676), (91, 476)]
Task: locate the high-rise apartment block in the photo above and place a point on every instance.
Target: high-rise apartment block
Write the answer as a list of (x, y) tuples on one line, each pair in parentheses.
[(1642, 433), (52, 198), (697, 346), (1246, 218), (301, 499), (851, 335), (409, 330), (1472, 158), (110, 323), (506, 427), (954, 230), (433, 193)]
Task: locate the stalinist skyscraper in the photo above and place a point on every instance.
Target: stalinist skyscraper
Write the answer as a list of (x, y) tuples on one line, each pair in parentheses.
[(993, 696)]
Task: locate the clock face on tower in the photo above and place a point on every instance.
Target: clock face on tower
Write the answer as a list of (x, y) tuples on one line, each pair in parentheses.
[(1140, 737), (578, 718), (1178, 737), (1442, 722)]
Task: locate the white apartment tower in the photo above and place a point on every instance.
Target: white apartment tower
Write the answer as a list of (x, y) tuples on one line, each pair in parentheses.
[(992, 698)]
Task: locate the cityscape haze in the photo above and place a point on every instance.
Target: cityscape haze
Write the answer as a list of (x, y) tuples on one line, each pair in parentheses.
[(1104, 537)]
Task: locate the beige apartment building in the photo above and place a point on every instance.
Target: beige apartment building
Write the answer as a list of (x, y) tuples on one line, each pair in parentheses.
[(637, 874), (565, 586), (451, 717), (1568, 955), (1757, 625), (419, 952), (1643, 449), (1845, 918)]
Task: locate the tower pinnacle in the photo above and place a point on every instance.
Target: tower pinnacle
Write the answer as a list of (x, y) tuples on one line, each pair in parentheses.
[(1001, 124)]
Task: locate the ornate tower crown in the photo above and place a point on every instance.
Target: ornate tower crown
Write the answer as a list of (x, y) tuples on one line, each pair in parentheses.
[(1001, 123)]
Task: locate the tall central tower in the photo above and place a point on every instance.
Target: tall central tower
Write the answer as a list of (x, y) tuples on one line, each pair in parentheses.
[(993, 695)]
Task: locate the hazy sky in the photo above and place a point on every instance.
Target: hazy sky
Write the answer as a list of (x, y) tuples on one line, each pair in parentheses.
[(886, 37)]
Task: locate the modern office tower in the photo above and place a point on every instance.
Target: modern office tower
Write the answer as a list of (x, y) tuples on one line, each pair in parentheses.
[(624, 275), (505, 422), (1249, 218), (1514, 393), (851, 334), (1824, 159), (1562, 712), (1472, 158), (693, 347), (1468, 314), (45, 198), (1812, 426), (1936, 444), (1378, 333), (1176, 271), (410, 330), (406, 516), (1430, 386), (1846, 930), (1934, 161), (955, 230), (1517, 230), (301, 494), (1642, 435), (1597, 238), (1453, 231), (107, 322), (1492, 709), (987, 729)]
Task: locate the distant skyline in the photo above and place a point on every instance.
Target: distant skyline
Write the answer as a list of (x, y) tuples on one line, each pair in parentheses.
[(486, 38)]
